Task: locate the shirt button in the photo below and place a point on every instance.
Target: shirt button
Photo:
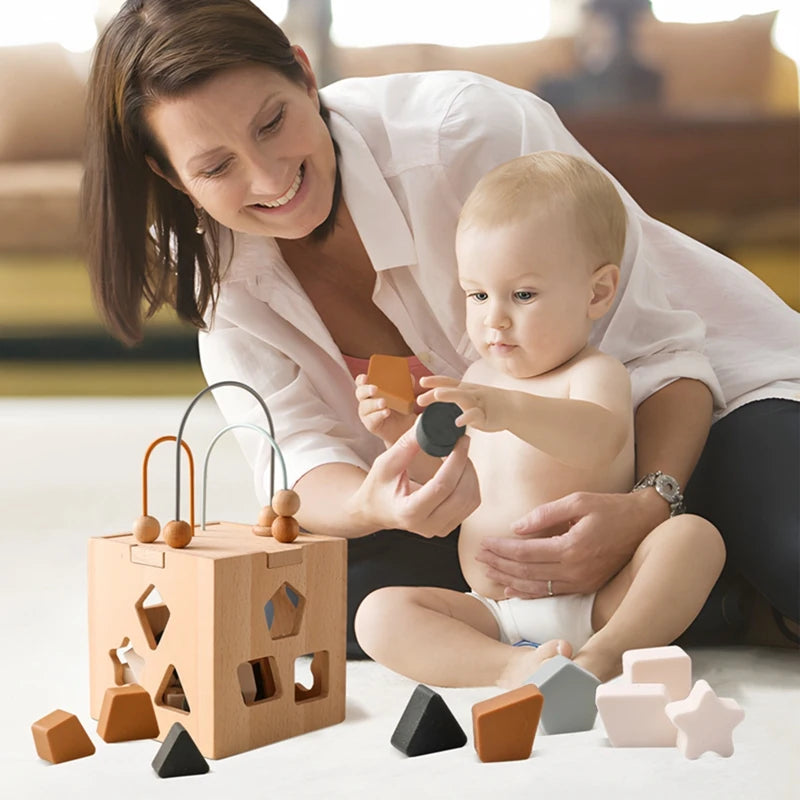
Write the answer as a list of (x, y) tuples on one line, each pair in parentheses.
[(424, 356)]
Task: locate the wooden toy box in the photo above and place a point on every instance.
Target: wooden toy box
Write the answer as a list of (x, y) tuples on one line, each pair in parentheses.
[(218, 648)]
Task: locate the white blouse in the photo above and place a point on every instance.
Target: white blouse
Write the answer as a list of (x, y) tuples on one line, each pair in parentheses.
[(412, 147)]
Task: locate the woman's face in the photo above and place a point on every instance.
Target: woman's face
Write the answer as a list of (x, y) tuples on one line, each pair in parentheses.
[(250, 147)]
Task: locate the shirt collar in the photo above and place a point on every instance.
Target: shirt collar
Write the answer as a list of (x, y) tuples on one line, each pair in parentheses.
[(378, 218)]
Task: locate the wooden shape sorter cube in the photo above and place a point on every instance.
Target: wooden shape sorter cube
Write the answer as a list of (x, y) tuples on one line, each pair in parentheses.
[(219, 626)]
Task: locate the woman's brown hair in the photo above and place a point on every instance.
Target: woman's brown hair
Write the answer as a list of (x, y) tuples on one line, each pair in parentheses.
[(141, 243)]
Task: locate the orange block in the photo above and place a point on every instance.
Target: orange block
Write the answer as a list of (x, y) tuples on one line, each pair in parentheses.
[(127, 714), (393, 379), (503, 727), (60, 737)]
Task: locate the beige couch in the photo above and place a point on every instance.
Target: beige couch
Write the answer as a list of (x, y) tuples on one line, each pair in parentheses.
[(715, 68)]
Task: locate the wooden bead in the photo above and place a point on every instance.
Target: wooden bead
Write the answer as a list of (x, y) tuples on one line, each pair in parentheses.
[(285, 529), (286, 502), (146, 529), (266, 517), (177, 533)]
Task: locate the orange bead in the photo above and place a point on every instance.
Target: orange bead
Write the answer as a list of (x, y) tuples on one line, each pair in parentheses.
[(286, 502), (266, 517), (146, 529), (285, 529), (177, 533)]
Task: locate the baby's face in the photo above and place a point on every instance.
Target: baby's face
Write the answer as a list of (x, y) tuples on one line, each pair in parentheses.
[(528, 288)]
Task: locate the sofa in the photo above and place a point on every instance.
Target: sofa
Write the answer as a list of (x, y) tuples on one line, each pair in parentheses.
[(717, 69)]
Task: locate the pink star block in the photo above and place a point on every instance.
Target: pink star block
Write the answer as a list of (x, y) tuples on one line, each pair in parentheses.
[(705, 721)]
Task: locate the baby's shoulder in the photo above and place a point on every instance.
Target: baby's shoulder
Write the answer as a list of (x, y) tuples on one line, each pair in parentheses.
[(596, 370)]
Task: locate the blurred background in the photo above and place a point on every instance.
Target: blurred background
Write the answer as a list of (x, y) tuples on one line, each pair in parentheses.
[(692, 104)]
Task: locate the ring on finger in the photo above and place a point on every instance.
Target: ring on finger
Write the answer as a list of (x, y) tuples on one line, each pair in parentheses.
[(549, 588)]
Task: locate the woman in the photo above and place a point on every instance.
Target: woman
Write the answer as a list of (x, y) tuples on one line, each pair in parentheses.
[(304, 230)]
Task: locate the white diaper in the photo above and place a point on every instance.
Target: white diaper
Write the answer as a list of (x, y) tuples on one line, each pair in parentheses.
[(566, 616)]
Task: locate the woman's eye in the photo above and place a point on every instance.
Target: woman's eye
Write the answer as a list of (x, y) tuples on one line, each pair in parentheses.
[(524, 296), (216, 171), (274, 123)]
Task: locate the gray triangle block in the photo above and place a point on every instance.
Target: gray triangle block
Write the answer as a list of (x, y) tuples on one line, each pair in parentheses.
[(178, 755), (427, 725)]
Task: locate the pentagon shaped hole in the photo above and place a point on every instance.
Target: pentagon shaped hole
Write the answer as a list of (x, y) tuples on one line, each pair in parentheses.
[(311, 673), (258, 680), (153, 615), (284, 611), (171, 693)]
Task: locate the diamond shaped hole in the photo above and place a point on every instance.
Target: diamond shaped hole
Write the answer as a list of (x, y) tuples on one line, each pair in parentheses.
[(171, 694), (284, 611), (153, 615), (311, 677), (258, 680), (128, 664)]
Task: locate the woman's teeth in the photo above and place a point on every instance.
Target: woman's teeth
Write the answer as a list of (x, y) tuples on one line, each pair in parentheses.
[(290, 193)]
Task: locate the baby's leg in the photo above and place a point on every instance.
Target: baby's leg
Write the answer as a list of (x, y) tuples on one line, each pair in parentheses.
[(654, 597), (443, 638)]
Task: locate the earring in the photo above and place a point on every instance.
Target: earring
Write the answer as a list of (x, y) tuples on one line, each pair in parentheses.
[(200, 228)]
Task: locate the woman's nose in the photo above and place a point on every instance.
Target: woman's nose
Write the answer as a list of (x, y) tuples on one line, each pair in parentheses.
[(269, 179)]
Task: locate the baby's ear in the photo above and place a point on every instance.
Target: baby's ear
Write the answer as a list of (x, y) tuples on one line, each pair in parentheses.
[(604, 287)]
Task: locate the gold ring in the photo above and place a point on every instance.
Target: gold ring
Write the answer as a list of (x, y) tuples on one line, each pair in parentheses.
[(549, 588)]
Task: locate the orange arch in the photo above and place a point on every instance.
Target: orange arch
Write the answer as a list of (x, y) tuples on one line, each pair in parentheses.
[(191, 474)]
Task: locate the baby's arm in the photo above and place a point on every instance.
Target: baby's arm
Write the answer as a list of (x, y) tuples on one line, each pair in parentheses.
[(585, 430), (389, 425)]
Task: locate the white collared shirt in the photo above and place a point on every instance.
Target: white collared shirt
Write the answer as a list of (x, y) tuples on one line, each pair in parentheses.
[(412, 148)]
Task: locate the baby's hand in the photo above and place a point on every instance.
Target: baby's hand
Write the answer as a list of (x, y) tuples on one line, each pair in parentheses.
[(483, 406), (377, 417)]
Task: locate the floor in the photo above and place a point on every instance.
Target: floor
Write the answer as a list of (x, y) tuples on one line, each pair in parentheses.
[(72, 469)]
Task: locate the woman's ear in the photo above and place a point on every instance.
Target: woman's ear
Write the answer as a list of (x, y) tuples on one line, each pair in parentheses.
[(604, 287), (308, 72), (173, 182)]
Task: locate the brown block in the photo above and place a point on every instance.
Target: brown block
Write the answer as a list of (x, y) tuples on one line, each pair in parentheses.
[(60, 737), (127, 714), (503, 727), (393, 379)]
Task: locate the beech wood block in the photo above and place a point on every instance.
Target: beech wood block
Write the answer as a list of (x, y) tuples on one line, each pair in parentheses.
[(504, 727), (569, 696), (634, 715), (178, 755), (427, 725), (127, 714), (392, 377), (668, 665), (60, 737), (704, 721)]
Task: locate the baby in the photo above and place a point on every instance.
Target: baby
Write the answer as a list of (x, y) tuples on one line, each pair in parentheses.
[(538, 244)]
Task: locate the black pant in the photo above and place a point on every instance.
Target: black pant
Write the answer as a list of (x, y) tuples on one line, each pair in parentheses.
[(747, 482)]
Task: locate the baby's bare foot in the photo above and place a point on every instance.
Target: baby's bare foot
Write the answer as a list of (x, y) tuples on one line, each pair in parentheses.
[(526, 660)]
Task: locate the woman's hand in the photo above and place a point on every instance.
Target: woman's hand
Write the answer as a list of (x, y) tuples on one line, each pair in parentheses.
[(377, 417), (603, 531), (388, 498)]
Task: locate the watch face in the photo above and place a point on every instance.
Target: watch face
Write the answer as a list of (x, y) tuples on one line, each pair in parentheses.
[(667, 487)]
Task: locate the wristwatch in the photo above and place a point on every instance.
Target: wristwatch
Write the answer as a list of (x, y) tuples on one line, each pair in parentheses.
[(667, 487)]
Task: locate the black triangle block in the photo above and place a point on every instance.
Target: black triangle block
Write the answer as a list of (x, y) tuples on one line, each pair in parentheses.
[(427, 725), (178, 755)]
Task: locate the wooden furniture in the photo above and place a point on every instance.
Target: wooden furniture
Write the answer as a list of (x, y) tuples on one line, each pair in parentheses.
[(217, 629)]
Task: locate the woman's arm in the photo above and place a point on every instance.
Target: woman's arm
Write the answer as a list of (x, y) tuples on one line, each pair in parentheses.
[(605, 529), (343, 500)]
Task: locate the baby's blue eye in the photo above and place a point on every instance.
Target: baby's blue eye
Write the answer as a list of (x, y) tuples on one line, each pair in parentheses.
[(478, 297), (524, 296)]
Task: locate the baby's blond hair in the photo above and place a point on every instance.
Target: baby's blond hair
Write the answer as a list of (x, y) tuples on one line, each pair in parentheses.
[(560, 183)]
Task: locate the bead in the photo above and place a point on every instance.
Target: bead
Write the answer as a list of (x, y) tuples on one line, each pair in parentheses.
[(286, 502), (266, 517), (177, 533), (146, 529), (285, 529)]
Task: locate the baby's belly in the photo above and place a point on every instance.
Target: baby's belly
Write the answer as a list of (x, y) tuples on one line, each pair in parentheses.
[(515, 478)]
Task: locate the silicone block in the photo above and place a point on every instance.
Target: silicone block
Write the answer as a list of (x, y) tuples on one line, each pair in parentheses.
[(569, 696), (178, 755), (704, 721), (436, 430), (127, 714), (427, 725), (633, 714), (390, 374), (504, 727), (60, 737), (668, 665)]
